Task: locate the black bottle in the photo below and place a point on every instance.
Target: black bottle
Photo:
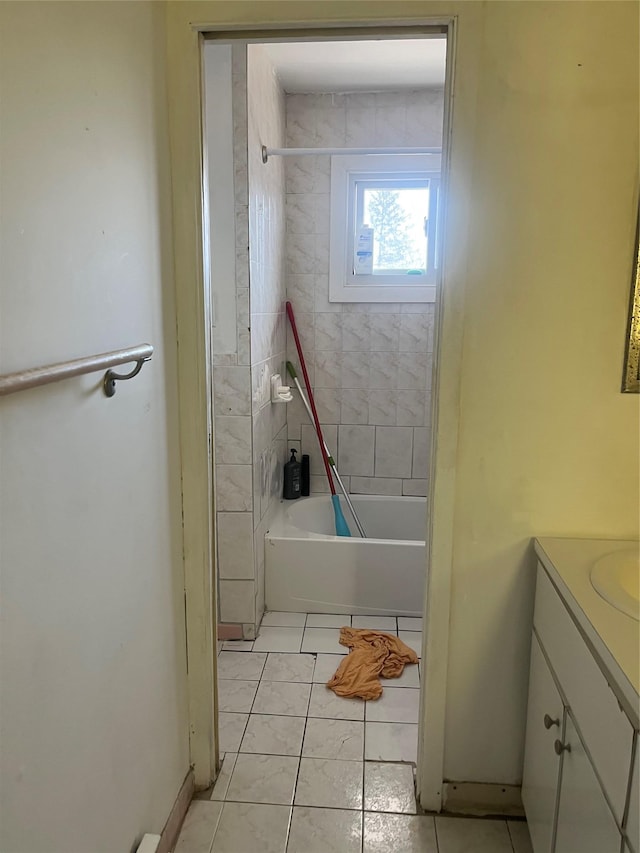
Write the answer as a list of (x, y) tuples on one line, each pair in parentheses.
[(306, 480), (292, 478)]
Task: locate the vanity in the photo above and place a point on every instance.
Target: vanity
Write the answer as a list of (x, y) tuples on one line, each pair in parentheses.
[(580, 783)]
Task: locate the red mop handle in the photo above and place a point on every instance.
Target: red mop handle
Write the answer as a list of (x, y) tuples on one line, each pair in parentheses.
[(316, 420)]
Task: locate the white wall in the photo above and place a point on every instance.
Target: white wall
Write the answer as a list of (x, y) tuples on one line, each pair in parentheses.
[(93, 719)]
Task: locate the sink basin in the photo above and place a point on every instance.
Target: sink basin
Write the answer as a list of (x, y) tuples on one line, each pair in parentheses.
[(616, 577)]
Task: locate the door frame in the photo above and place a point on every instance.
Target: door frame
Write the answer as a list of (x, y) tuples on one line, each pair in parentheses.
[(184, 83)]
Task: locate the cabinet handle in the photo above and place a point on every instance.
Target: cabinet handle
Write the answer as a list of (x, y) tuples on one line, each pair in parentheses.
[(561, 747), (548, 722)]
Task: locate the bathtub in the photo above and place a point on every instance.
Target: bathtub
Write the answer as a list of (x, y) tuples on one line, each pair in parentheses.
[(310, 570)]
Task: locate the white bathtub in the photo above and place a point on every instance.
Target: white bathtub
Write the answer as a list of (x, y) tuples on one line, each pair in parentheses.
[(310, 570)]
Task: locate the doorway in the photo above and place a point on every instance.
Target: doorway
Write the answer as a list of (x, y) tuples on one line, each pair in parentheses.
[(429, 790)]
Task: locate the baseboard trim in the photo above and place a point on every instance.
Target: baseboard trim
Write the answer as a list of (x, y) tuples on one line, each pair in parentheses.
[(482, 799), (172, 827)]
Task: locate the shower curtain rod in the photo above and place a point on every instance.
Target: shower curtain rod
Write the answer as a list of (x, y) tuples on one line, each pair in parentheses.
[(302, 152)]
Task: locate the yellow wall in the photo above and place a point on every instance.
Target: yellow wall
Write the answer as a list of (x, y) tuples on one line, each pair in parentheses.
[(544, 186), (94, 737)]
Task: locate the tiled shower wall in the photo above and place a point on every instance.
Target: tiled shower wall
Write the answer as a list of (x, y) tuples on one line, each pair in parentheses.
[(370, 363), (232, 393), (250, 431), (268, 294)]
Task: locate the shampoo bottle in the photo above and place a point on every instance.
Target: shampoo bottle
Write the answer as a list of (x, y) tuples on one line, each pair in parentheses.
[(292, 478), (363, 260)]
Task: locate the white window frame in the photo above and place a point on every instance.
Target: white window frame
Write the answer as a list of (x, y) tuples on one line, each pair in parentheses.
[(346, 173)]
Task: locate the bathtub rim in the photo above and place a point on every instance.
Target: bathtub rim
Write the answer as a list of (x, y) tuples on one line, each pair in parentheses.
[(283, 527)]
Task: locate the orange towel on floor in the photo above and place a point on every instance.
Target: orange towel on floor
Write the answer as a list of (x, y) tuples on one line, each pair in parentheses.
[(373, 654)]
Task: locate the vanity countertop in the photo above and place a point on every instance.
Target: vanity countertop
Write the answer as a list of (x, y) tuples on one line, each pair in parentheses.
[(614, 637)]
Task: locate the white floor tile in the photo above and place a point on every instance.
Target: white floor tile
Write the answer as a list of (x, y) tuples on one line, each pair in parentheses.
[(230, 731), (236, 695), (391, 833), (329, 783), (275, 619), (288, 667), (375, 623), (327, 620), (247, 667), (396, 705), (520, 838), (237, 646), (326, 666), (324, 703), (389, 788), (325, 831), (323, 640), (482, 836), (224, 777), (413, 639), (343, 739), (408, 623), (199, 827), (391, 742), (278, 640), (271, 735), (252, 827), (282, 698), (410, 678), (264, 779)]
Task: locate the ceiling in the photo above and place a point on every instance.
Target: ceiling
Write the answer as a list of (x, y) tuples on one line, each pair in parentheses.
[(352, 66)]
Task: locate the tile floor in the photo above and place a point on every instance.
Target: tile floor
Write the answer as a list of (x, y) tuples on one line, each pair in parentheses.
[(305, 771)]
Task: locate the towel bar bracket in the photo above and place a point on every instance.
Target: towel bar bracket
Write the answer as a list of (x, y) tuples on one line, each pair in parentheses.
[(111, 377)]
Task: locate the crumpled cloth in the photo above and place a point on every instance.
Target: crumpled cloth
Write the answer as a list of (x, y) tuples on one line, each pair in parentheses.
[(374, 654)]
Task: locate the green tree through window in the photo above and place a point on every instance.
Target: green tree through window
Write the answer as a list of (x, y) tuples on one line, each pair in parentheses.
[(394, 245)]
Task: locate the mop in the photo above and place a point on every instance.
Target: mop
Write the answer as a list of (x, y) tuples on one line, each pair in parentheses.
[(292, 373), (342, 528)]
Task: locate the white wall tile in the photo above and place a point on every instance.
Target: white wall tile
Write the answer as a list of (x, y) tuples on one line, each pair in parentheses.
[(411, 408), (414, 332), (415, 488), (328, 332), (356, 334), (322, 304), (328, 369), (421, 449), (383, 407), (385, 332), (356, 450), (356, 371), (393, 451), (237, 601), (301, 292), (233, 440), (234, 488), (235, 545), (412, 371), (376, 486), (328, 405), (355, 406), (384, 369), (232, 390)]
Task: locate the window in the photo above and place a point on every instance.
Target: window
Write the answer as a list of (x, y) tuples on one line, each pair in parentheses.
[(384, 216)]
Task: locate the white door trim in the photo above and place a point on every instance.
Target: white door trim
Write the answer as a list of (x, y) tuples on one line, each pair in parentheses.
[(184, 88)]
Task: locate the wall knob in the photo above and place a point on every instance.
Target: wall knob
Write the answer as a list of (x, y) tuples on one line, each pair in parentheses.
[(561, 747), (549, 722)]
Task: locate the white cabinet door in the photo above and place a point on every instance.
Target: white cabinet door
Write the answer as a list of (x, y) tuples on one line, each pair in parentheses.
[(541, 764), (585, 823)]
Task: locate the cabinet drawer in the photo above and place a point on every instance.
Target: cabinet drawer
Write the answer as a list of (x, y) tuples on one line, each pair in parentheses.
[(605, 729)]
